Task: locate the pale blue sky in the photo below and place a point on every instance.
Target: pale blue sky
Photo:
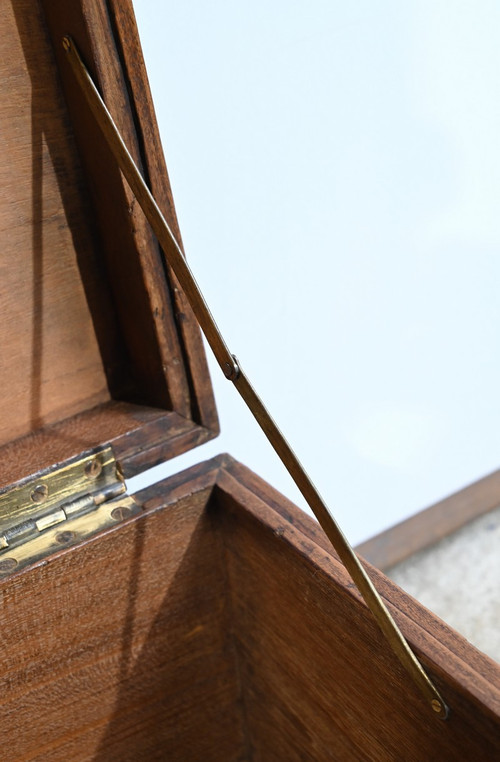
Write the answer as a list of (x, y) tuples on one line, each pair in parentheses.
[(336, 173)]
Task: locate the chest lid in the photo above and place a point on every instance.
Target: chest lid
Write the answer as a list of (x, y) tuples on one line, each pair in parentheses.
[(99, 345)]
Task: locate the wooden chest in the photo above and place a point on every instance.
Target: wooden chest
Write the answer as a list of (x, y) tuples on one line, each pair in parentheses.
[(210, 619)]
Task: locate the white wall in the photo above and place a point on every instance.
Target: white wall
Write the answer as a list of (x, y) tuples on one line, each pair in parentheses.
[(336, 173)]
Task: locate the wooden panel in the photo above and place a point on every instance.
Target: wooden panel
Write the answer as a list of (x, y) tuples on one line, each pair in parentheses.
[(319, 681), (432, 524), (51, 365), (155, 332), (141, 437), (122, 649), (122, 15), (219, 626), (87, 315), (127, 245)]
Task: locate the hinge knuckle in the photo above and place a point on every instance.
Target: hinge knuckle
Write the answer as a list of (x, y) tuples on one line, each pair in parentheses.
[(45, 522), (19, 532), (79, 507), (82, 496)]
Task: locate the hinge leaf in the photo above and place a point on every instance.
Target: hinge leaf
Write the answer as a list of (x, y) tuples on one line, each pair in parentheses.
[(60, 507)]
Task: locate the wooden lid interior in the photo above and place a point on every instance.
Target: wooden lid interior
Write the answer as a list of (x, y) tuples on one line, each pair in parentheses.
[(97, 342)]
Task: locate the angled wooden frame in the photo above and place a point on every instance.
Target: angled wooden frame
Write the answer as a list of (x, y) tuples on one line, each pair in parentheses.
[(431, 525), (221, 626), (159, 401)]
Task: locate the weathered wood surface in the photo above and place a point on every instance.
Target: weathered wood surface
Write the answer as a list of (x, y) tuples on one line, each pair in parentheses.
[(90, 317), (122, 14), (318, 679), (50, 361), (158, 335), (135, 270), (432, 524), (141, 437), (122, 650), (220, 626)]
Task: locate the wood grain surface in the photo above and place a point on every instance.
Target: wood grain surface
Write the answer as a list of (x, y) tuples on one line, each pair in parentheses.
[(125, 650), (122, 15), (141, 437), (318, 679), (160, 335), (91, 319), (51, 365), (219, 626)]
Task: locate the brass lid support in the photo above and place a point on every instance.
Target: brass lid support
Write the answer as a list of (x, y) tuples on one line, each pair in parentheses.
[(232, 370)]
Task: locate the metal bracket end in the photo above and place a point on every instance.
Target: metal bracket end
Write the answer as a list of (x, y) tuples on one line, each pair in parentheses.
[(231, 370)]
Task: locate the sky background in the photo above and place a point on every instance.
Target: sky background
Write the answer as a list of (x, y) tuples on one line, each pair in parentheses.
[(336, 173)]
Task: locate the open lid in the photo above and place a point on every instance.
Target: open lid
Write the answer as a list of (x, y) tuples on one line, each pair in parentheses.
[(98, 342)]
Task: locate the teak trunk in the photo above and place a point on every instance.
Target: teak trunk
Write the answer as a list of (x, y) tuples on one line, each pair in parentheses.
[(217, 624)]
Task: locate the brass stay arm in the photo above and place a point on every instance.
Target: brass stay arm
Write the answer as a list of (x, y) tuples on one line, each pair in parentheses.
[(233, 371)]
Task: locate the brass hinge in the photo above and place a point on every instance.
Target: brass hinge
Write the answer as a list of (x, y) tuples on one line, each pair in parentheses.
[(61, 507)]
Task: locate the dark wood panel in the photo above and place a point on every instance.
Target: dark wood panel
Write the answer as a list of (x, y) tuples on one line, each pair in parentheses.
[(141, 437), (126, 242), (432, 524), (219, 626), (122, 14), (122, 649), (160, 332), (51, 364), (319, 680), (87, 310), (479, 675)]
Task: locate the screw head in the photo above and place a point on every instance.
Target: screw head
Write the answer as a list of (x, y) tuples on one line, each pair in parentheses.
[(7, 564), (436, 705), (93, 468), (120, 513), (66, 42), (64, 537), (40, 493)]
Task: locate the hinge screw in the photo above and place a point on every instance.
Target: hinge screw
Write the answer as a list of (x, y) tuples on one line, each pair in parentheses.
[(7, 564), (40, 493), (93, 468), (64, 537), (120, 513)]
